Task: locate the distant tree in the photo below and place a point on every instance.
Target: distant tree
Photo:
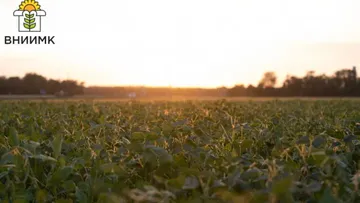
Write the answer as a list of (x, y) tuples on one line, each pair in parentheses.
[(238, 90), (53, 86), (342, 83), (14, 85), (292, 86), (3, 86), (346, 81), (71, 87), (251, 91), (33, 83), (269, 80)]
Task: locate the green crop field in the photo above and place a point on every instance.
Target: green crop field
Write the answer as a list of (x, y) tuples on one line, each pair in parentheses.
[(180, 151)]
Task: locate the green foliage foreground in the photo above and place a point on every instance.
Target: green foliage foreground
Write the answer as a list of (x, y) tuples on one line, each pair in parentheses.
[(213, 151)]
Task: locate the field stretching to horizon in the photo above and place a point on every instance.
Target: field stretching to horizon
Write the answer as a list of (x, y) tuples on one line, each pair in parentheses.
[(215, 150), (99, 98)]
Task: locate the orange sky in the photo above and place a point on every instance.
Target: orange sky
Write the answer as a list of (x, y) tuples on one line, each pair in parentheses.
[(203, 43)]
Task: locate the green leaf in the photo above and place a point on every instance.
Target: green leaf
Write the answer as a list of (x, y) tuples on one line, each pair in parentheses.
[(13, 137), (138, 136), (314, 187), (109, 198), (303, 140), (246, 144), (327, 197), (166, 128), (20, 200), (250, 174), (318, 158), (180, 160), (56, 145), (152, 154), (3, 174), (282, 186), (29, 21), (152, 136), (80, 196), (111, 168), (2, 189), (191, 182), (29, 26), (7, 158), (61, 175), (41, 196), (349, 138), (259, 198), (69, 186), (318, 141), (43, 158), (32, 26), (176, 182), (31, 146), (63, 201)]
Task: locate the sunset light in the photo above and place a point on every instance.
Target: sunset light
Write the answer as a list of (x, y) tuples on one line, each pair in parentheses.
[(186, 43)]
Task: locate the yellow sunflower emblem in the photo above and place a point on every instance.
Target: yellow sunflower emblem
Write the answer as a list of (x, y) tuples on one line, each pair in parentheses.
[(29, 5)]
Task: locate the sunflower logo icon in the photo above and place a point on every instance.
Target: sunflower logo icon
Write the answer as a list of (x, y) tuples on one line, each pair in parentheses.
[(29, 16)]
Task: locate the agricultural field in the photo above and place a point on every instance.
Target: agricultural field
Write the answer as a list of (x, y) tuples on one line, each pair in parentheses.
[(180, 151)]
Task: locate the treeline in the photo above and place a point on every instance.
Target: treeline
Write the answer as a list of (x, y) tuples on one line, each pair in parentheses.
[(32, 84), (344, 83)]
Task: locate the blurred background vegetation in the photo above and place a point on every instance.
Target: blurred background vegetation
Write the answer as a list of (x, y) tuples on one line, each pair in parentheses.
[(344, 83)]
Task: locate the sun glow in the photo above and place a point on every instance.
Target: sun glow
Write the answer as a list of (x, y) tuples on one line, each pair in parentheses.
[(199, 43), (29, 5)]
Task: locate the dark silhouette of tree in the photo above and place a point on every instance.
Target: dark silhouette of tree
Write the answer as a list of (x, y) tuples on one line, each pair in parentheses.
[(71, 87), (251, 91), (14, 85), (266, 86), (237, 90), (3, 85), (343, 83), (293, 86), (53, 86), (269, 80), (346, 81), (33, 83)]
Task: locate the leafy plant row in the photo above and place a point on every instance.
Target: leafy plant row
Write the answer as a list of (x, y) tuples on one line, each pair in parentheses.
[(190, 151)]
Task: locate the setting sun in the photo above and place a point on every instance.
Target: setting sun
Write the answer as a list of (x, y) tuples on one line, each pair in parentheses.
[(29, 5)]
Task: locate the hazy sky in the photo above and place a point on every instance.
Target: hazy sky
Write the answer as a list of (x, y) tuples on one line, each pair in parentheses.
[(184, 42)]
